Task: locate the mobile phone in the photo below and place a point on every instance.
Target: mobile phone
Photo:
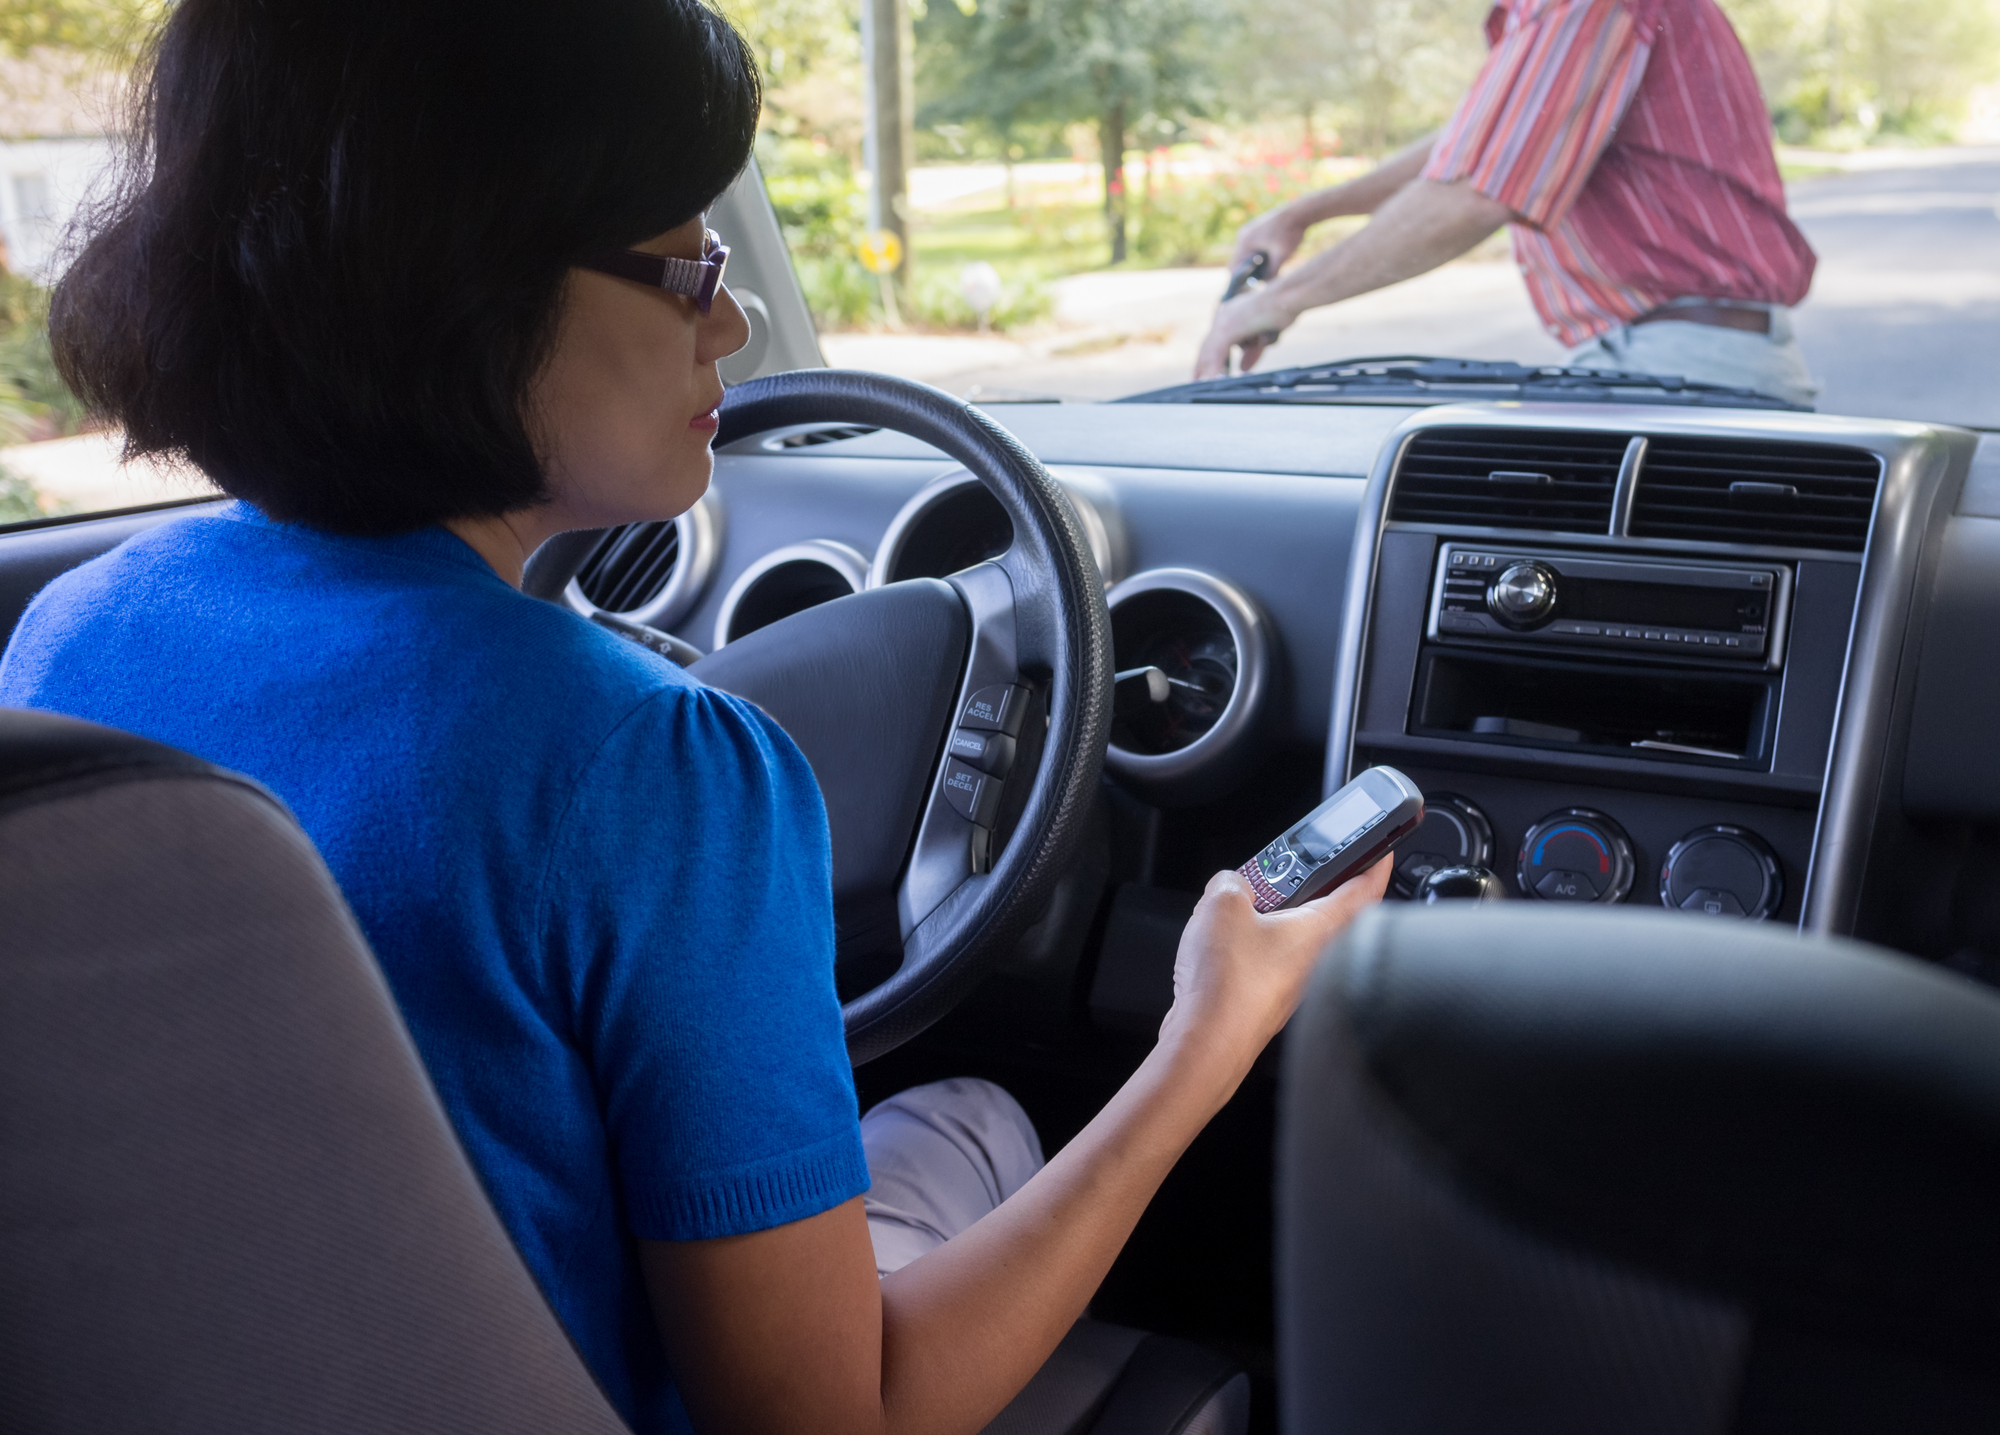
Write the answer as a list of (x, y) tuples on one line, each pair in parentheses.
[(1342, 836)]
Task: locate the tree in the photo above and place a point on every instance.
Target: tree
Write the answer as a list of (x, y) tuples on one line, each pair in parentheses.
[(810, 53), (115, 29), (1111, 63), (1388, 69), (1895, 66)]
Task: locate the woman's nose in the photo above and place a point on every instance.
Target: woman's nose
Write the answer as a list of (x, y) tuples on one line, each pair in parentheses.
[(724, 330)]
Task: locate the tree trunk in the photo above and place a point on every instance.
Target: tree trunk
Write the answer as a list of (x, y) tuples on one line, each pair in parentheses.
[(1111, 144), (888, 68)]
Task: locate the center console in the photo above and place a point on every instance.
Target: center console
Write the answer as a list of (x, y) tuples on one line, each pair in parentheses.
[(1615, 646)]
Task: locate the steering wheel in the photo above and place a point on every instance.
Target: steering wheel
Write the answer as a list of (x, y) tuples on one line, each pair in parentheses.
[(957, 727)]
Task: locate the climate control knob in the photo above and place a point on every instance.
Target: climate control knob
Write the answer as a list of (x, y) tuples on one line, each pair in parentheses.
[(1723, 872), (1454, 833), (1524, 594), (1576, 855)]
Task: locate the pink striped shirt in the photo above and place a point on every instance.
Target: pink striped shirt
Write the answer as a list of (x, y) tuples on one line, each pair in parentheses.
[(1632, 141)]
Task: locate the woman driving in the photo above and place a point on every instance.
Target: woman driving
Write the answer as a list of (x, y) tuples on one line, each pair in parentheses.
[(419, 285)]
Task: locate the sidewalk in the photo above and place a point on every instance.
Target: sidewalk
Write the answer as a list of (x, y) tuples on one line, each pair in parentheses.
[(83, 474), (1121, 332)]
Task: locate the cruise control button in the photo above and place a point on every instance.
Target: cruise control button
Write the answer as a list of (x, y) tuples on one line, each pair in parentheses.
[(996, 709), (1563, 885), (991, 752), (1713, 902), (974, 795)]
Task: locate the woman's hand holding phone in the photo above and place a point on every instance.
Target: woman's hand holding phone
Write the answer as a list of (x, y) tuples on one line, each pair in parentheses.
[(1240, 973)]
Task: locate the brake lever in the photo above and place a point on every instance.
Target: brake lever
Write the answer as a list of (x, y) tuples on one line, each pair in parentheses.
[(1254, 271)]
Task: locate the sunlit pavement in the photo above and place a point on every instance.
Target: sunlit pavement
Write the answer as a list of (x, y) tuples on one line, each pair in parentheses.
[(82, 474), (1903, 320)]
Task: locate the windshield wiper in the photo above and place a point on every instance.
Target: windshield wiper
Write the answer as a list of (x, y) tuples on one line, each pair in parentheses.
[(1420, 379)]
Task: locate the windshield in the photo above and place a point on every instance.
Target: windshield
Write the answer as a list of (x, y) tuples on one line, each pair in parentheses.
[(986, 249), (1526, 194)]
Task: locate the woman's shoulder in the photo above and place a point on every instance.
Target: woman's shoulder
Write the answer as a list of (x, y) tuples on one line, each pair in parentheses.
[(418, 622)]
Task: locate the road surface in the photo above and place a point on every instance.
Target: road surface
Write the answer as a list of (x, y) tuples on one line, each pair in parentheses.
[(1903, 320)]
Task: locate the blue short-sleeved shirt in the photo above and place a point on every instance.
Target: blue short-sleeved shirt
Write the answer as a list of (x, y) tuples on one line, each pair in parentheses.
[(600, 891)]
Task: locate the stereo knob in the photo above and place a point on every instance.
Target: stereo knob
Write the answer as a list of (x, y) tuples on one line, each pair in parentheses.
[(1722, 872), (1523, 595), (1576, 855)]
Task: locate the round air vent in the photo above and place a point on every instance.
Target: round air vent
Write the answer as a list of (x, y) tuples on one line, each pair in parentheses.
[(1213, 646), (651, 573), (954, 522), (789, 580)]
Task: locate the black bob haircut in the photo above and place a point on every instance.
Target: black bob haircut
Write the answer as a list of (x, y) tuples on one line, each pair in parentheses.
[(337, 262)]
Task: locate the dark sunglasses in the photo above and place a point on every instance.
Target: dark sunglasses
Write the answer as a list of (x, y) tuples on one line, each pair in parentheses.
[(699, 279)]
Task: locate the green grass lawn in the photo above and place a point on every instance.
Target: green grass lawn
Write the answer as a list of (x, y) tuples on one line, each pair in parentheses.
[(1039, 241)]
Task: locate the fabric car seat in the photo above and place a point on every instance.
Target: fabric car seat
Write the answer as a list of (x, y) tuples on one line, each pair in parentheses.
[(1610, 1171), (230, 1200)]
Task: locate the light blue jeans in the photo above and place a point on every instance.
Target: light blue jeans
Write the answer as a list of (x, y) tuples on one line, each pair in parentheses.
[(1768, 363)]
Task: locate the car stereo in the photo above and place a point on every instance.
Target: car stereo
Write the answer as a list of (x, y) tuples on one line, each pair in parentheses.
[(1719, 610)]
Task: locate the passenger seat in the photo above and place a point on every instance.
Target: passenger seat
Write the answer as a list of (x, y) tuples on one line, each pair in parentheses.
[(1625, 1173)]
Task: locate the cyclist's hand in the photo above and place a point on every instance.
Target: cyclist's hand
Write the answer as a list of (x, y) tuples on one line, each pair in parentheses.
[(1276, 232), (1249, 322)]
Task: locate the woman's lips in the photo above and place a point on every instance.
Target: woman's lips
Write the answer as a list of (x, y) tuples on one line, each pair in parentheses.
[(708, 422)]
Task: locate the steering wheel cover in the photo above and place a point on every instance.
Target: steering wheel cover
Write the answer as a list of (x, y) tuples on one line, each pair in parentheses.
[(1062, 638)]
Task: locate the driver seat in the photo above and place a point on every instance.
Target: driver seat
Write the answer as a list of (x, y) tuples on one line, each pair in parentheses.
[(229, 1198)]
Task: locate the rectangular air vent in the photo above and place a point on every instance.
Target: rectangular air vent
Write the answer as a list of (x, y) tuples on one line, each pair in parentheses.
[(1552, 480), (831, 433), (1790, 495)]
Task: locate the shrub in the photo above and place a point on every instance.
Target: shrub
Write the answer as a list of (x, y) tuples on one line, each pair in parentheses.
[(34, 401), (840, 293), (823, 212), (940, 302), (19, 501), (1194, 220)]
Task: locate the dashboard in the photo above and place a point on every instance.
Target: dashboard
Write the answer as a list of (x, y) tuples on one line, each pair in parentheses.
[(1635, 655), (1739, 663)]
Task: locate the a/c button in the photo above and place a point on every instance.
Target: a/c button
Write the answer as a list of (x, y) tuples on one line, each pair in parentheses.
[(1563, 885)]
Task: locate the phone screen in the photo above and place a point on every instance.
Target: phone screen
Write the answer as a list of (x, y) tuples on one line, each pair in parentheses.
[(1327, 832)]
